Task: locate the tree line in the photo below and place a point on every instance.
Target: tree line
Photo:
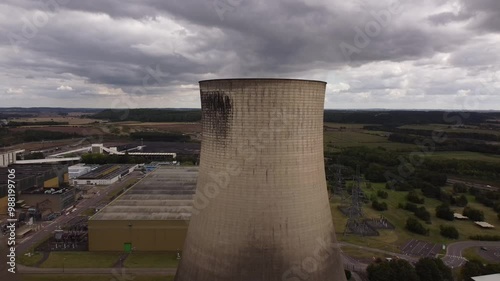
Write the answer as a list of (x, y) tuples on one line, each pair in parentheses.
[(149, 115), (388, 118), (426, 269)]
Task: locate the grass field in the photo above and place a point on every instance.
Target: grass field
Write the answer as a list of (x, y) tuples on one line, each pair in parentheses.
[(73, 277), (70, 119), (30, 260), (83, 131), (361, 254), (392, 240), (448, 128), (464, 155), (152, 260), (472, 254), (344, 125), (80, 260), (335, 140)]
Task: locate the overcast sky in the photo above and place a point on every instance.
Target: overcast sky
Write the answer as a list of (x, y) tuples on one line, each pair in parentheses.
[(407, 54)]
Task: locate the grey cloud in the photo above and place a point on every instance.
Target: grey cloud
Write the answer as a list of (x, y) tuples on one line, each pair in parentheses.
[(112, 43)]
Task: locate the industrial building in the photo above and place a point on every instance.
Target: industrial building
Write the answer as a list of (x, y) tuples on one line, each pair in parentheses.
[(8, 157), (105, 174), (32, 176), (79, 170), (152, 215), (49, 200), (261, 209), (490, 277)]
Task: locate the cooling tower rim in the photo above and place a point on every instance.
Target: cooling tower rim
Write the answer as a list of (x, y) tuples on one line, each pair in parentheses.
[(262, 79)]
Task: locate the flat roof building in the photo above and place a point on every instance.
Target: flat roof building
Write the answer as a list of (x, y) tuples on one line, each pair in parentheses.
[(484, 224), (153, 215), (105, 174), (491, 277), (79, 170), (459, 216)]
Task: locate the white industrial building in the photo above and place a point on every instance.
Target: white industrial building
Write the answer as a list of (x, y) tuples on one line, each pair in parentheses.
[(104, 175), (8, 157), (491, 277), (79, 170)]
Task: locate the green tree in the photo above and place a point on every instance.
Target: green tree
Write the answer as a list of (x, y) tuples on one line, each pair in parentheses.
[(382, 194), (433, 269), (392, 270), (459, 187), (443, 211), (375, 173), (449, 231), (379, 206), (473, 214), (430, 190), (470, 269), (423, 214), (461, 201), (414, 198), (415, 226)]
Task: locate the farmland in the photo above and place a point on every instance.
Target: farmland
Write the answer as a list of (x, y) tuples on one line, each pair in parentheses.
[(450, 129), (336, 140), (71, 120)]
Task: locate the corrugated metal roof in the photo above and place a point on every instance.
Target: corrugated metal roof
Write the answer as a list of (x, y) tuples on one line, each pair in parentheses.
[(165, 194)]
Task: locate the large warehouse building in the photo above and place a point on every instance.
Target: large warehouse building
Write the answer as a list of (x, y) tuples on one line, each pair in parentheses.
[(153, 215)]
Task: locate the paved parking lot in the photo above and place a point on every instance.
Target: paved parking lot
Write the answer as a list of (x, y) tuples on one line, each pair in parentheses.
[(421, 248)]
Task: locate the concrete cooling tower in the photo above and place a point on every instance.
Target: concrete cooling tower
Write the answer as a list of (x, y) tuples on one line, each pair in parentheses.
[(261, 209)]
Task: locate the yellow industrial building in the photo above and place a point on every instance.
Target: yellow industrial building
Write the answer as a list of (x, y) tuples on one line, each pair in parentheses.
[(153, 215)]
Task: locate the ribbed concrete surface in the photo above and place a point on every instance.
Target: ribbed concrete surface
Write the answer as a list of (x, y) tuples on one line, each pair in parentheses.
[(261, 210)]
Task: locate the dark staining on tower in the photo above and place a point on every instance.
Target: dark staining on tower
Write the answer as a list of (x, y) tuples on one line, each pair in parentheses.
[(217, 113)]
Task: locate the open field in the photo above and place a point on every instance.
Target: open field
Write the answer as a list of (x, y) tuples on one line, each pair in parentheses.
[(330, 125), (94, 277), (464, 155), (84, 131), (43, 145), (152, 260), (80, 260), (335, 140), (448, 128), (392, 240), (30, 260), (182, 127), (70, 119), (363, 255)]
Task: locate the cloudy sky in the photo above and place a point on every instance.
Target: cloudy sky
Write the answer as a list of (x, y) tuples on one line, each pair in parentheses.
[(429, 54)]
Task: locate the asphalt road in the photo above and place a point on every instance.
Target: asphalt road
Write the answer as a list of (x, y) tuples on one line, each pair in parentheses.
[(454, 251)]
